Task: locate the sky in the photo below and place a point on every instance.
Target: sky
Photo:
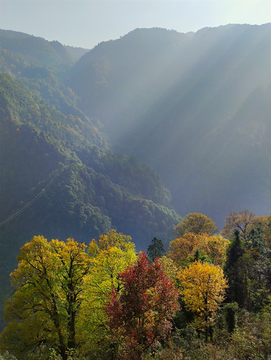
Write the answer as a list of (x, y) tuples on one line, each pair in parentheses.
[(85, 23)]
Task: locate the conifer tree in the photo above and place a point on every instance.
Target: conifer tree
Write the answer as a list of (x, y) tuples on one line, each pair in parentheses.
[(155, 249)]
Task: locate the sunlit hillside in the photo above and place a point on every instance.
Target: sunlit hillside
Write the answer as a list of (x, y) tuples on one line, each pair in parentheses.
[(188, 105)]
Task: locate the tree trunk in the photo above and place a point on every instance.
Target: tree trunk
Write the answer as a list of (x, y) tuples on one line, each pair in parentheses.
[(211, 333)]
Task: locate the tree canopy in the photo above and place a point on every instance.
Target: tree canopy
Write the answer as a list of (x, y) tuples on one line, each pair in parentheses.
[(238, 220), (109, 256), (182, 249), (48, 297), (196, 223), (155, 249), (139, 315), (202, 287), (60, 295)]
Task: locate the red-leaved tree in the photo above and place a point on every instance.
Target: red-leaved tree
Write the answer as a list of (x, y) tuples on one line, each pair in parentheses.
[(139, 316)]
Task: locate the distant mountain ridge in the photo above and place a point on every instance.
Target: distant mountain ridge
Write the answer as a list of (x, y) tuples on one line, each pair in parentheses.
[(74, 139), (76, 52), (168, 65), (18, 51), (165, 97), (169, 98)]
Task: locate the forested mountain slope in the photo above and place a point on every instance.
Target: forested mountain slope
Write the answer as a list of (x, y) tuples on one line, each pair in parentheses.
[(197, 108), (76, 52), (66, 185), (18, 51), (183, 102)]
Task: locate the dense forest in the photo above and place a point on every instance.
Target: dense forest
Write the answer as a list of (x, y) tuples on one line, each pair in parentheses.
[(207, 298), (131, 141)]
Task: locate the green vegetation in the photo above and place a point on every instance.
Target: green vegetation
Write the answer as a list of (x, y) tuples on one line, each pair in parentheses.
[(26, 107), (20, 51), (155, 249), (197, 110), (111, 303), (91, 189)]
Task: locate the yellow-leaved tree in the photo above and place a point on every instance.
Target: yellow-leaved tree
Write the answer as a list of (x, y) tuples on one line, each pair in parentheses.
[(109, 257), (58, 306), (43, 313), (202, 288)]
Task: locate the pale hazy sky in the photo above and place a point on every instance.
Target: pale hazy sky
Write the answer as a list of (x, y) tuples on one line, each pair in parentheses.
[(85, 23)]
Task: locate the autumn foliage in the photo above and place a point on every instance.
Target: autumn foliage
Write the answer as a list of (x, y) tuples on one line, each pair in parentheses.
[(139, 315), (196, 223), (44, 310), (238, 220), (202, 287), (107, 302), (213, 246)]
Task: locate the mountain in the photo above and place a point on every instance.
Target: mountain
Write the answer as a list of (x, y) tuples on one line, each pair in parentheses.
[(57, 182), (76, 52), (19, 51), (110, 78), (137, 127), (181, 102), (59, 177)]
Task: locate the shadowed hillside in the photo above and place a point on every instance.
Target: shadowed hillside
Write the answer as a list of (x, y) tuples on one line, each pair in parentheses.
[(55, 181)]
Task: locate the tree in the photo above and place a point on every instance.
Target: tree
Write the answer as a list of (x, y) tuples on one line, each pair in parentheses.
[(202, 287), (170, 267), (155, 249), (48, 297), (182, 248), (109, 257), (235, 250), (248, 270), (238, 220), (214, 247), (237, 271), (230, 310), (139, 315), (262, 224), (196, 223)]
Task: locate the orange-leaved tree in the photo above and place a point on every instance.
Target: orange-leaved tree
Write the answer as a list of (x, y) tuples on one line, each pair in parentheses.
[(183, 249)]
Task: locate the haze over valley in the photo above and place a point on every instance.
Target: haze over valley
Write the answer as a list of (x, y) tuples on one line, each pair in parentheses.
[(133, 134)]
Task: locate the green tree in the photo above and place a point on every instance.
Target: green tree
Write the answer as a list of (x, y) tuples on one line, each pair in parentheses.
[(155, 249), (248, 270), (236, 291)]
